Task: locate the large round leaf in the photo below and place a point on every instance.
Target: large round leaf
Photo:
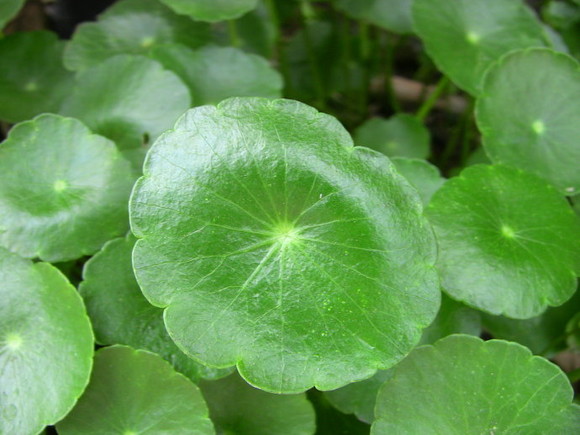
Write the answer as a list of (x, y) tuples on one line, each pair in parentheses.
[(463, 385), (464, 37), (129, 99), (238, 408), (32, 78), (508, 242), (394, 15), (8, 10), (276, 246), (359, 398), (121, 315), (131, 27), (137, 392), (46, 345), (216, 73), (528, 115), (400, 136), (212, 10), (63, 190)]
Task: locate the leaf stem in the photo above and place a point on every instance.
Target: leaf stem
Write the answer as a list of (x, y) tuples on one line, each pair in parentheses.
[(233, 32), (429, 103)]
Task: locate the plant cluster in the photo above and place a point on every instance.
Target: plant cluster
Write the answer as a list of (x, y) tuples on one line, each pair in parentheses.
[(392, 247)]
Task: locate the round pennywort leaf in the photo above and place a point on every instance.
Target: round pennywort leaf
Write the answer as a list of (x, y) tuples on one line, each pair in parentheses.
[(212, 10)]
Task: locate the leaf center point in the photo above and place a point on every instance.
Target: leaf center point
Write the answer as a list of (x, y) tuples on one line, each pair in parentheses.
[(285, 233), (508, 232), (60, 185), (13, 341)]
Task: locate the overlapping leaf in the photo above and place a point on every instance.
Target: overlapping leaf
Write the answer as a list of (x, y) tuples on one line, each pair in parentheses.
[(394, 15), (212, 10), (46, 345), (275, 245)]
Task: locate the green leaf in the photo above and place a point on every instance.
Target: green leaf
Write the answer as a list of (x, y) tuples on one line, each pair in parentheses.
[(497, 256), (528, 115), (480, 387), (216, 73), (46, 345), (131, 27), (129, 99), (394, 15), (63, 190), (421, 174), (120, 314), (137, 392), (400, 136), (543, 335), (212, 10), (32, 78), (238, 408), (8, 10), (359, 398), (573, 332), (464, 37), (255, 219)]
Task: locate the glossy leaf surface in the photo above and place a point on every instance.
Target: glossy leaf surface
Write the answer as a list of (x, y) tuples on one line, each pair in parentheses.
[(212, 10), (359, 398), (394, 15), (129, 99), (63, 190), (276, 246), (120, 314), (46, 345), (400, 136), (481, 387), (131, 27), (422, 175), (464, 37), (509, 243), (137, 392), (32, 78), (216, 73), (238, 408), (528, 115)]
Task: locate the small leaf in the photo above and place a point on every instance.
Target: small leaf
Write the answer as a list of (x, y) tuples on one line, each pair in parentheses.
[(32, 78), (276, 246), (120, 314), (238, 408), (8, 10), (528, 115), (212, 10), (494, 253), (131, 27), (63, 190), (216, 73), (125, 98), (394, 15), (421, 174), (137, 392), (479, 387), (464, 37), (359, 398), (46, 345), (400, 136)]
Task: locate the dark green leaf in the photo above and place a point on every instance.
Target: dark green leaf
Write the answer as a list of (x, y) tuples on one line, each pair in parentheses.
[(121, 315), (216, 73), (275, 245), (528, 115), (32, 78), (63, 190), (8, 10), (131, 27), (46, 345), (400, 136), (137, 392), (212, 10), (238, 408), (466, 385), (464, 37), (495, 254), (394, 15)]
